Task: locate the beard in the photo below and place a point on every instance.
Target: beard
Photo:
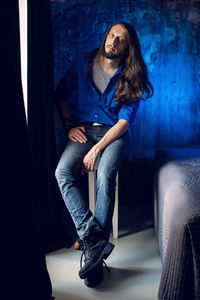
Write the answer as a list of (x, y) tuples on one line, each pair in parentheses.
[(111, 55)]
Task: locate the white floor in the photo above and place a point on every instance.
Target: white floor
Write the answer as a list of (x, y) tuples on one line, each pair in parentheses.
[(135, 266)]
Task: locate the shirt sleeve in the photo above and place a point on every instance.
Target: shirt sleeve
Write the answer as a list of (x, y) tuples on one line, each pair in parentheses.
[(67, 85), (128, 112)]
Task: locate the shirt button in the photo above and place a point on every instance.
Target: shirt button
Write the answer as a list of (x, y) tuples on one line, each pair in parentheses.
[(96, 116)]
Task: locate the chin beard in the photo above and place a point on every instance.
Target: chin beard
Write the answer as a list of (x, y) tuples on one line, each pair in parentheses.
[(110, 55)]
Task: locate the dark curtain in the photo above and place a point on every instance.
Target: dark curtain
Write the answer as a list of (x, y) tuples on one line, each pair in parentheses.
[(25, 275), (40, 125)]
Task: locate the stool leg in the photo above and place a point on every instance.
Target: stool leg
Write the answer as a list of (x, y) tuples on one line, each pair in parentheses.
[(92, 190), (115, 213)]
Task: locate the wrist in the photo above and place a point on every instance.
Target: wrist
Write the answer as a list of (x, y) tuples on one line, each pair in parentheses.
[(97, 149)]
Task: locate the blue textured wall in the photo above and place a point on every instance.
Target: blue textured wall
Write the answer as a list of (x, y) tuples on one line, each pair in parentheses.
[(169, 32)]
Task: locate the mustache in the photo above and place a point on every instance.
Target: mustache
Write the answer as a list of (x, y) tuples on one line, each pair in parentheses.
[(113, 47)]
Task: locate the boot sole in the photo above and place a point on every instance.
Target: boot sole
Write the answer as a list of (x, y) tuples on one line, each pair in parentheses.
[(94, 279), (104, 254)]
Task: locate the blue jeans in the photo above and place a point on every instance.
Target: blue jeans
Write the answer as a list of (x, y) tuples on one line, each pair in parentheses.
[(68, 175)]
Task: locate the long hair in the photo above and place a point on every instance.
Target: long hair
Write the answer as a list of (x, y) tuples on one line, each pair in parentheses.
[(133, 82)]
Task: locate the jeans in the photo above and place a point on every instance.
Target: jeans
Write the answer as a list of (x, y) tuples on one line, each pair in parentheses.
[(68, 175)]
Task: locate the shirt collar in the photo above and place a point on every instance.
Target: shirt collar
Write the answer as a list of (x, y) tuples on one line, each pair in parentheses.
[(86, 70), (119, 70)]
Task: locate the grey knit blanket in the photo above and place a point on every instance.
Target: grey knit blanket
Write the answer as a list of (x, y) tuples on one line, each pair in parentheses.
[(177, 222)]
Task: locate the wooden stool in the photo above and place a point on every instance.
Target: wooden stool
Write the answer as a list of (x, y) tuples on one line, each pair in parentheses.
[(92, 197)]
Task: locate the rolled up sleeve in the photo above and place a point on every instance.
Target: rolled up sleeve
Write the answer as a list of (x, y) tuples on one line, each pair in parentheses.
[(128, 112)]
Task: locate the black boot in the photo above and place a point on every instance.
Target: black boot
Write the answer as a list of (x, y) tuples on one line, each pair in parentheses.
[(95, 277), (95, 250)]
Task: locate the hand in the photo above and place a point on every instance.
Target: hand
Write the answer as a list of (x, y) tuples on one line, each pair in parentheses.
[(76, 134), (90, 159)]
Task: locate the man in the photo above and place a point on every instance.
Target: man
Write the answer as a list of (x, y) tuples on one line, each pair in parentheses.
[(98, 100)]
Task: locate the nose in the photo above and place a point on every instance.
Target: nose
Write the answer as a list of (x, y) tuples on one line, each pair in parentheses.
[(116, 41)]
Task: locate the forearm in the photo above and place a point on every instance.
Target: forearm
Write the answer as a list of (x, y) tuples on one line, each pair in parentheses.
[(112, 134), (62, 108), (65, 116)]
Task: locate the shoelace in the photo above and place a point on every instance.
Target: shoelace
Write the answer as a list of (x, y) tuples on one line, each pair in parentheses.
[(105, 265), (81, 262)]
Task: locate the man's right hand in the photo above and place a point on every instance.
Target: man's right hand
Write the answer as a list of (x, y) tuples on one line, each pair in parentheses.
[(76, 134)]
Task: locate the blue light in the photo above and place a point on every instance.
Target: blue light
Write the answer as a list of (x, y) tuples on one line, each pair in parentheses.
[(169, 36)]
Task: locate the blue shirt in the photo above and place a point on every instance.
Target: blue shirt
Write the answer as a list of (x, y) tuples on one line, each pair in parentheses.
[(84, 102)]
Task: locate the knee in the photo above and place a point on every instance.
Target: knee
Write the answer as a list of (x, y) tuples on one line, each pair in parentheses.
[(67, 172), (106, 178), (62, 172), (59, 172)]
